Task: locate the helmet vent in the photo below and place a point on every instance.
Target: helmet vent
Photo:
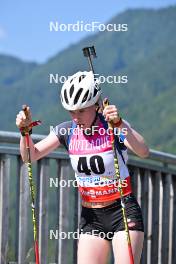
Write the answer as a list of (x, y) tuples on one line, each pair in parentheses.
[(81, 77), (85, 97), (65, 96), (78, 95), (95, 92), (71, 90), (90, 96)]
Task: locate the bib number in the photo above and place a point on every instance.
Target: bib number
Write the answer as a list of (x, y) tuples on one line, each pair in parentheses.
[(95, 165)]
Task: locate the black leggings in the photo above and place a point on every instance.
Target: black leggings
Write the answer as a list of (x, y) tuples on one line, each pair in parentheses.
[(104, 222)]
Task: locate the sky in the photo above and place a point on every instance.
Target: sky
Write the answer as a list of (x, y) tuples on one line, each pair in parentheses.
[(24, 25)]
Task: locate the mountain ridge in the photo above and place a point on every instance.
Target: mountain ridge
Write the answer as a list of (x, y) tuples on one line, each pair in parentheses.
[(145, 53)]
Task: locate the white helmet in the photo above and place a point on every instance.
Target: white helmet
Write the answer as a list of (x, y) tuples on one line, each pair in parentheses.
[(81, 90)]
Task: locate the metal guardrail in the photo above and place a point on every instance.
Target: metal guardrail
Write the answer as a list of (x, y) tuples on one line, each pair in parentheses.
[(153, 181), (13, 138)]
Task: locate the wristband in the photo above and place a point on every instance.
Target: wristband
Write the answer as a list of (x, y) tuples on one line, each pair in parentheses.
[(117, 124), (23, 132)]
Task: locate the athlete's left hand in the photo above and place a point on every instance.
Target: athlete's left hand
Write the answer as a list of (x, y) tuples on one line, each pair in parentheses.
[(111, 114)]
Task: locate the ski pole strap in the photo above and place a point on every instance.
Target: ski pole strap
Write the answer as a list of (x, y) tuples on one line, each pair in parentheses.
[(25, 130), (28, 129)]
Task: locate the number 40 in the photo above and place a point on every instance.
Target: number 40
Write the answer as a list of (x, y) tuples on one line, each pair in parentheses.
[(96, 165)]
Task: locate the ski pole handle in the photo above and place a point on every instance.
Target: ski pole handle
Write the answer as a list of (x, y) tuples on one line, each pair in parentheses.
[(105, 102), (24, 108), (28, 128)]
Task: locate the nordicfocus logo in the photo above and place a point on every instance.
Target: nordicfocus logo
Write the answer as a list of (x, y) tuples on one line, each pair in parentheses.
[(55, 234), (117, 131), (93, 181), (81, 26), (116, 79)]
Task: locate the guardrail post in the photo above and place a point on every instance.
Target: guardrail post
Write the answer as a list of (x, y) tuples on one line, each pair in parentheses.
[(42, 179), (23, 213), (64, 206), (4, 206)]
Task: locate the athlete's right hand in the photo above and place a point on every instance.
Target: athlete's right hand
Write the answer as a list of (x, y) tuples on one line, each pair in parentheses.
[(22, 119)]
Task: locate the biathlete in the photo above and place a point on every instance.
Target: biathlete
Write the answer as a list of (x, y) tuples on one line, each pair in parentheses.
[(87, 139)]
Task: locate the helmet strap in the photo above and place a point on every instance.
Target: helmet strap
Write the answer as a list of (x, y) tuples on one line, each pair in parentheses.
[(95, 119)]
